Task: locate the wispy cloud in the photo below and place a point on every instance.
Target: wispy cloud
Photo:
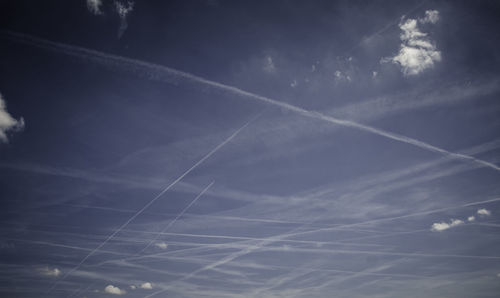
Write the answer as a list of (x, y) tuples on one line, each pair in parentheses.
[(417, 52), (7, 122), (161, 245), (431, 16), (123, 9), (51, 272), (94, 6), (110, 289)]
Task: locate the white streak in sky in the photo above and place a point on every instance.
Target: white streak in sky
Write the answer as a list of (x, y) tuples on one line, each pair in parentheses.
[(176, 218), (227, 140), (170, 75)]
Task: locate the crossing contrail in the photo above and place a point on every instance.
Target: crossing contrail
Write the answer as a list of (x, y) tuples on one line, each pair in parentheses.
[(227, 140), (177, 217), (173, 76)]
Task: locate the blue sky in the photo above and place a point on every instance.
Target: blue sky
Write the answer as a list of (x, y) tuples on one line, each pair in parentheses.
[(249, 149)]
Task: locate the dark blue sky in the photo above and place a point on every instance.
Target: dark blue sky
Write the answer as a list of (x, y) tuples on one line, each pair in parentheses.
[(249, 148)]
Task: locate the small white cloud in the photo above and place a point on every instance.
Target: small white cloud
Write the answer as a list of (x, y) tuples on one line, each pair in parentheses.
[(431, 16), (417, 53), (374, 74), (313, 68), (123, 9), (293, 84), (471, 218), (94, 6), (7, 122), (147, 286), (161, 245), (110, 289), (269, 66), (441, 226), (49, 272), (133, 287), (484, 212), (342, 77)]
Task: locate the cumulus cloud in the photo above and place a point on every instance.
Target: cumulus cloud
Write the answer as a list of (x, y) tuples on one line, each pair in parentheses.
[(94, 6), (471, 218), (110, 289), (133, 287), (50, 272), (441, 226), (123, 9), (147, 286), (484, 212), (7, 122), (431, 16), (417, 52), (161, 245)]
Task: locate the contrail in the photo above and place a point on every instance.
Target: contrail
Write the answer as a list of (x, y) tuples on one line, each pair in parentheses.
[(272, 239), (170, 75), (177, 217), (227, 140)]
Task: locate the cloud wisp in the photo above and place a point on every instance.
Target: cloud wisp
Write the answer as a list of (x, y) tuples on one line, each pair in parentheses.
[(170, 75), (123, 9), (417, 52), (50, 272), (94, 6), (7, 122)]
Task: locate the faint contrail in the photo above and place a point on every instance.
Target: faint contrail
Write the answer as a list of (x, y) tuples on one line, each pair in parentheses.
[(227, 140), (273, 239), (170, 75), (177, 217)]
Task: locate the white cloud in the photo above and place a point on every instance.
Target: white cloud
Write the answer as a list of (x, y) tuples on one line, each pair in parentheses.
[(50, 272), (441, 226), (161, 245), (133, 287), (147, 286), (431, 16), (7, 122), (484, 212), (471, 218), (269, 66), (340, 76), (110, 289), (94, 6), (123, 9), (417, 53)]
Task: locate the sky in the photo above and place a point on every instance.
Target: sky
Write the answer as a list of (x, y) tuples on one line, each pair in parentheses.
[(268, 149)]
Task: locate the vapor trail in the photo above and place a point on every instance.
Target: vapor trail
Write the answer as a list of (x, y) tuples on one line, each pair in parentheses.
[(177, 217), (170, 75), (273, 239), (154, 200)]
